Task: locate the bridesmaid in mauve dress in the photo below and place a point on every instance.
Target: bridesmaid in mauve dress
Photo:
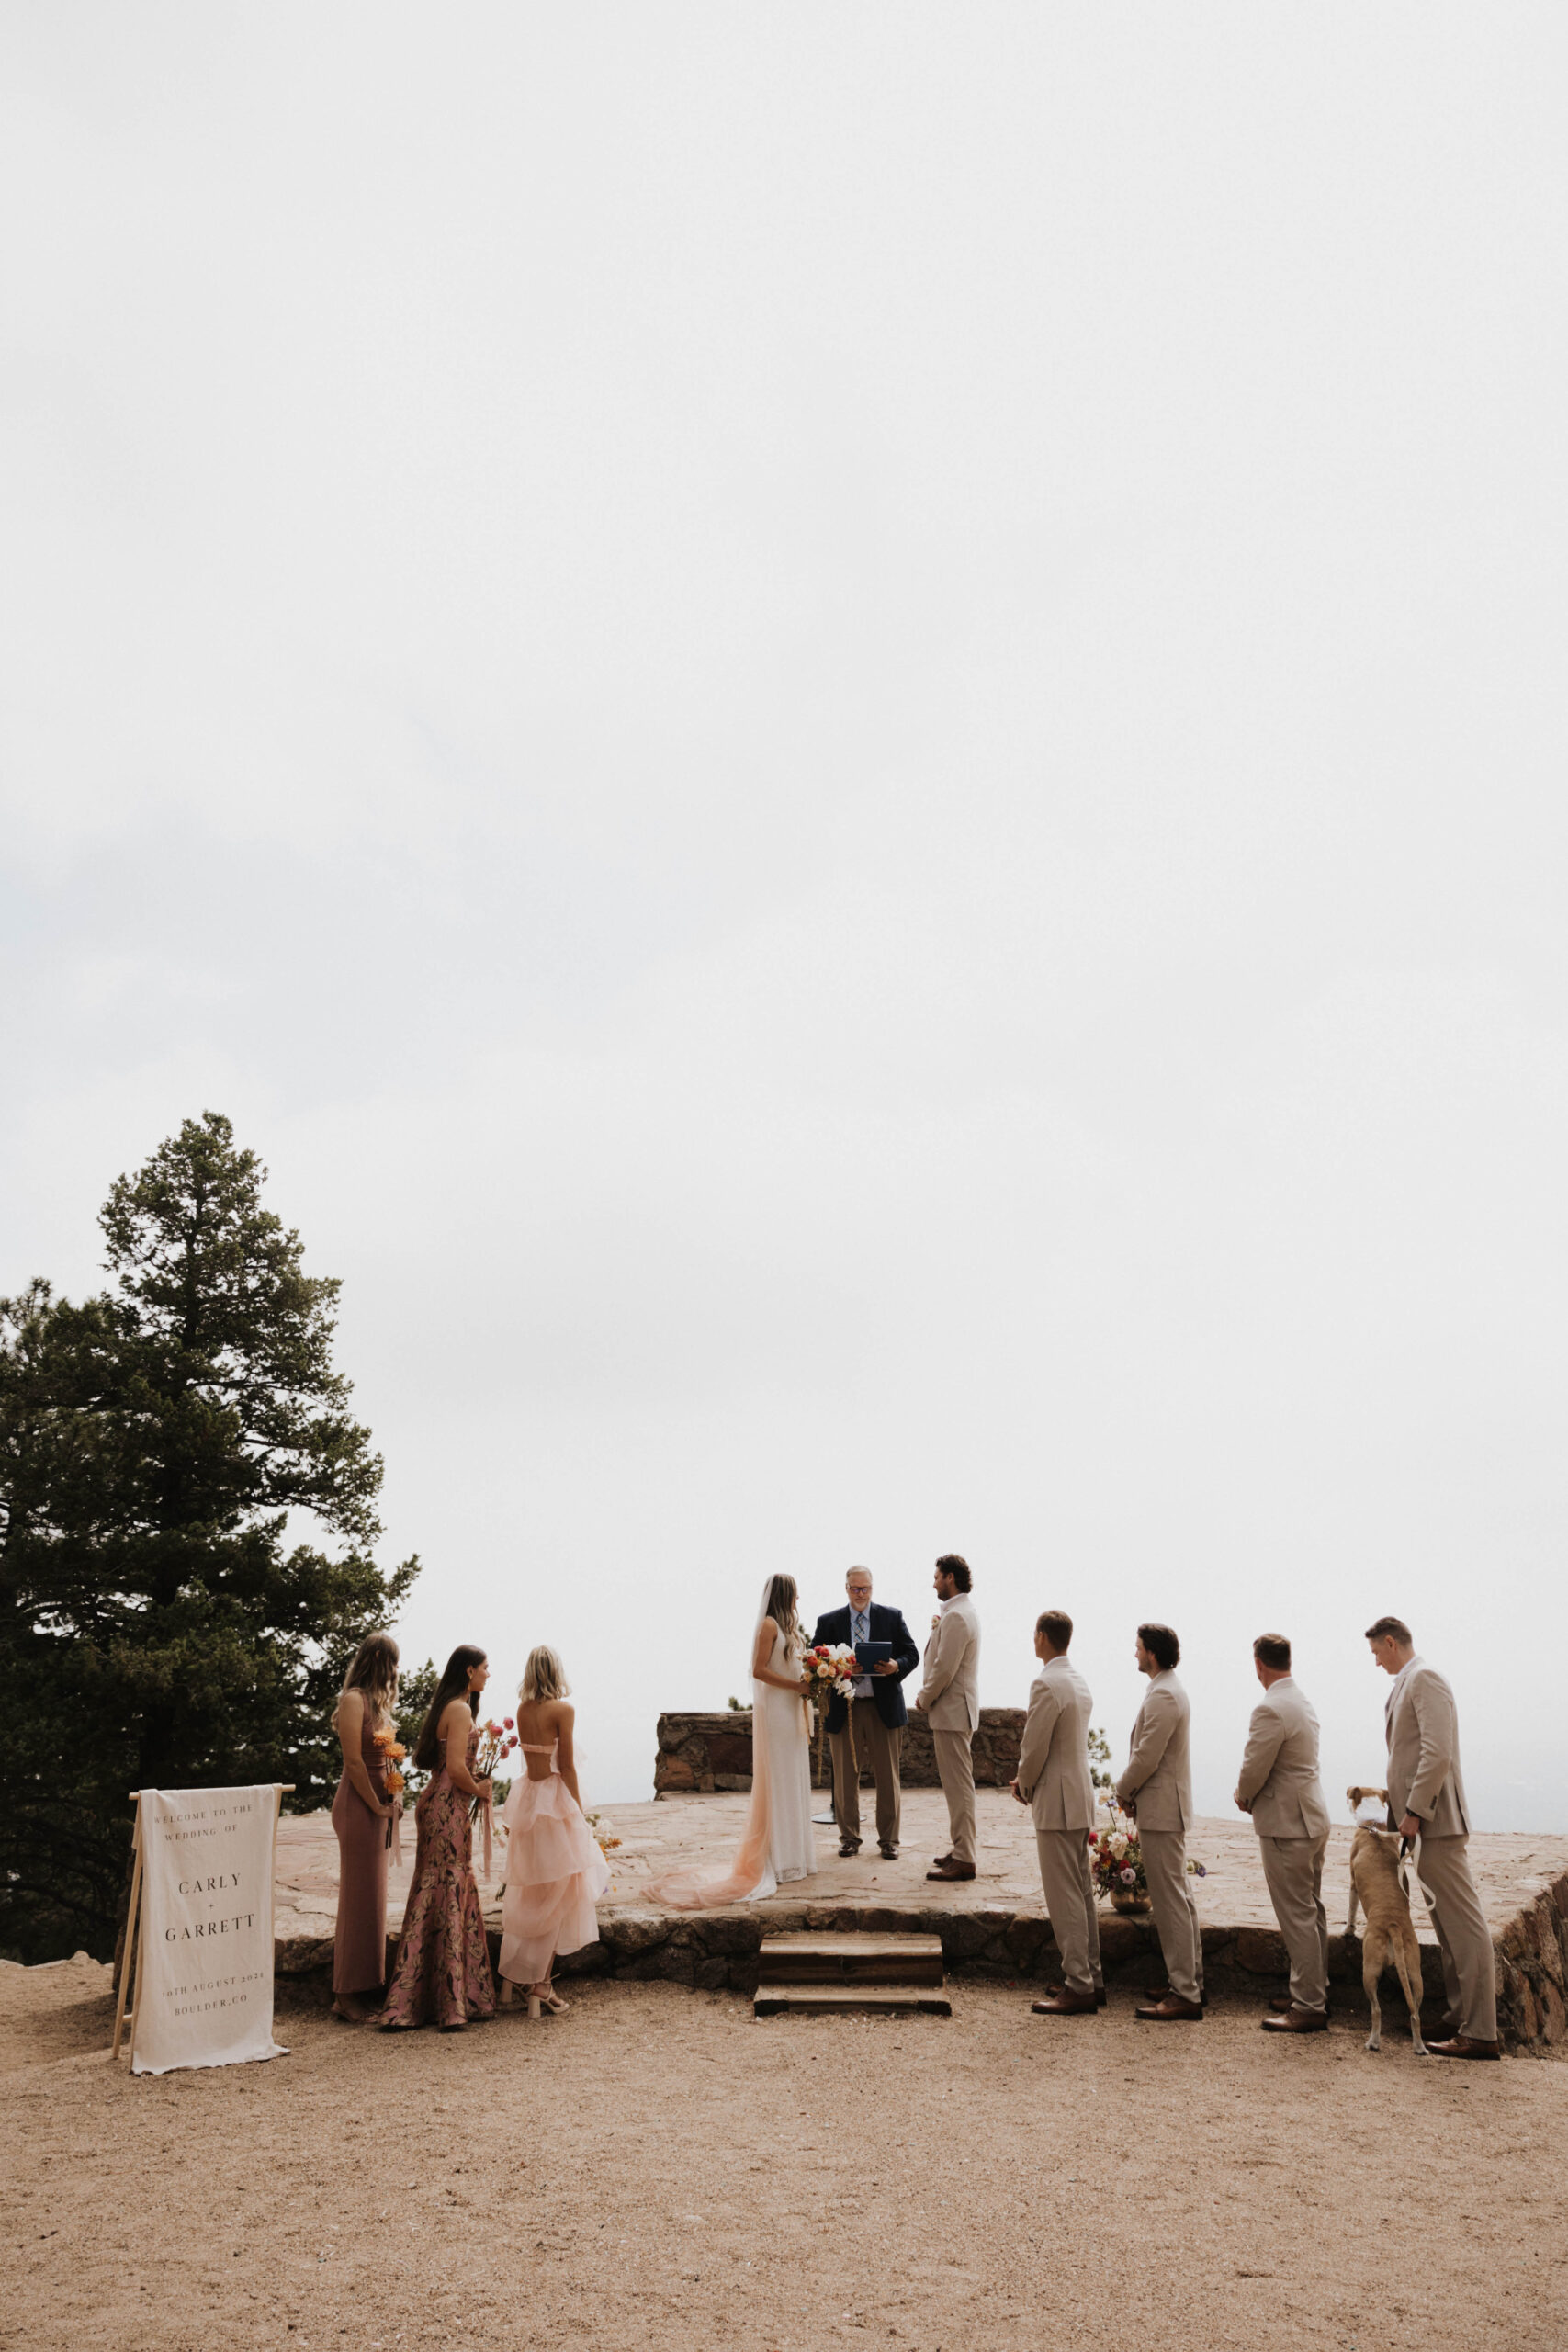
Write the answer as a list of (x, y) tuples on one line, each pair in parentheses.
[(443, 1967), (362, 1815)]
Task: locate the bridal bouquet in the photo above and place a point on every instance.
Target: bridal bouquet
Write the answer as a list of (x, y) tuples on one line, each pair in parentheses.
[(831, 1668), (1116, 1862)]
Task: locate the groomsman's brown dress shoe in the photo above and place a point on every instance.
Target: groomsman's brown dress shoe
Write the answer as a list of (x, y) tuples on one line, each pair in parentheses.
[(1462, 2046), (848, 1845), (888, 1853), (1051, 1991), (1066, 2004), (1282, 2001), (1294, 2020), (1172, 2010), (951, 1869)]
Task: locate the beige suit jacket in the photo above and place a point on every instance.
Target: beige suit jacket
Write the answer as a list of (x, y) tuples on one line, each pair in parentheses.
[(950, 1691), (1424, 1777), (1158, 1771), (1052, 1757), (1278, 1782)]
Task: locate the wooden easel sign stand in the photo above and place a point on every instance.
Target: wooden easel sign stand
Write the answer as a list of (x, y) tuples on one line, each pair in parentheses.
[(197, 1963)]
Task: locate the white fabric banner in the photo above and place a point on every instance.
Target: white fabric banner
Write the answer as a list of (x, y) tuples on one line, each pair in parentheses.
[(203, 1981)]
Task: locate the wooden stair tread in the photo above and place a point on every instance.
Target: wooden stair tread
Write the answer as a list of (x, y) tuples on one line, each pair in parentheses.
[(773, 1997), (859, 1946), (874, 1968)]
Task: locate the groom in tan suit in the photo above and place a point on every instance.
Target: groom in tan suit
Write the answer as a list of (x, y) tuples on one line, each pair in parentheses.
[(1155, 1788), (949, 1701), (1054, 1780), (1425, 1800), (1279, 1786)]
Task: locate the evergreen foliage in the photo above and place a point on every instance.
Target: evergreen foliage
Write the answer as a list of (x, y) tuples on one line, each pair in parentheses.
[(165, 1451)]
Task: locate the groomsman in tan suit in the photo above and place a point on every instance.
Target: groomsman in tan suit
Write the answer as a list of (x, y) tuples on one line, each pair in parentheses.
[(1425, 1800), (949, 1700), (1155, 1788), (1279, 1786), (1054, 1782)]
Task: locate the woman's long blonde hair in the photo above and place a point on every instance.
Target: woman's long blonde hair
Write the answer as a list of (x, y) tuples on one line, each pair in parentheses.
[(373, 1672), (782, 1608), (544, 1677)]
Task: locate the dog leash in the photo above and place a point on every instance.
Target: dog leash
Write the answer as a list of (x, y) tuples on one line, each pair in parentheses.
[(1410, 1867)]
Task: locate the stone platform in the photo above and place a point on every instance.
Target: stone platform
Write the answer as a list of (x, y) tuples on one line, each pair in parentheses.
[(993, 1924)]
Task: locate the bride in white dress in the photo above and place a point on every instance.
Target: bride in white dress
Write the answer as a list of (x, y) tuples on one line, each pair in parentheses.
[(776, 1846)]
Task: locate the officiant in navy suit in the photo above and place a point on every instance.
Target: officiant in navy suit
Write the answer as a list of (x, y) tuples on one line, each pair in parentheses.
[(873, 1718)]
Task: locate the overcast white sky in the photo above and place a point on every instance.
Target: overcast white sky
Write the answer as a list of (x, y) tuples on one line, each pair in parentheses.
[(843, 729)]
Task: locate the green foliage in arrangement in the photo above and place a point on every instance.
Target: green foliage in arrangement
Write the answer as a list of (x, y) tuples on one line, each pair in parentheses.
[(187, 1523), (1100, 1760)]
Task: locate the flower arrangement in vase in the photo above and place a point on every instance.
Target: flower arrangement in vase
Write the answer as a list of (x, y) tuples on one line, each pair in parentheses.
[(1116, 1864)]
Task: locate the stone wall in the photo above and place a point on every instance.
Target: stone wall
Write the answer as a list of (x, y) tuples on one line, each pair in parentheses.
[(720, 1949), (1532, 1973), (708, 1752)]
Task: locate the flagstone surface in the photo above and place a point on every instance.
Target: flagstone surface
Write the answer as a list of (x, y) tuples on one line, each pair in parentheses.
[(1511, 1868)]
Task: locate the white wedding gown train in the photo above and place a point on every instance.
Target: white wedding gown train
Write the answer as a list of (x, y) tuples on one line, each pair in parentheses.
[(776, 1846)]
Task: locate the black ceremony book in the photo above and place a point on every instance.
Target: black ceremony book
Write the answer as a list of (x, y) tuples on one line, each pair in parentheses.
[(870, 1653)]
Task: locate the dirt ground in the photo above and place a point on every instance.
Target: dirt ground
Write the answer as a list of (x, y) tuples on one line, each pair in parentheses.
[(658, 2168)]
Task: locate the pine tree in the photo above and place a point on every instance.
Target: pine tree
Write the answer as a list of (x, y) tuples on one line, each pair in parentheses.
[(158, 1447)]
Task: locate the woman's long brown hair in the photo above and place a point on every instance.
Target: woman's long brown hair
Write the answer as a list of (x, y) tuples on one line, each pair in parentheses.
[(454, 1684), (373, 1672)]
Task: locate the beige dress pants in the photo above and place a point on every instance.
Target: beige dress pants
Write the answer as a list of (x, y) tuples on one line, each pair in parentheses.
[(954, 1752), (1176, 1914), (1069, 1899), (880, 1746), (1293, 1868), (1470, 1966)]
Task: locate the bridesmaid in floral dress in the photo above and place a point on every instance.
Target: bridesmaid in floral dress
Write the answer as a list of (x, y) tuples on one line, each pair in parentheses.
[(443, 1970)]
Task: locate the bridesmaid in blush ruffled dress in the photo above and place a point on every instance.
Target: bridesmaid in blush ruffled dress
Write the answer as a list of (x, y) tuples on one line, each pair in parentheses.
[(443, 1967), (556, 1871)]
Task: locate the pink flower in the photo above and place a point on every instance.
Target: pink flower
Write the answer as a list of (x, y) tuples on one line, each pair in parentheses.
[(506, 1723), (1129, 1878), (1094, 1837)]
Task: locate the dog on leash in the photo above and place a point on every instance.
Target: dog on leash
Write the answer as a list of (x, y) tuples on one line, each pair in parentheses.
[(1377, 1887)]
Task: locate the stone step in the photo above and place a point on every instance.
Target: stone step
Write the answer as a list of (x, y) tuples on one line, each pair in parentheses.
[(807, 2000), (851, 1960)]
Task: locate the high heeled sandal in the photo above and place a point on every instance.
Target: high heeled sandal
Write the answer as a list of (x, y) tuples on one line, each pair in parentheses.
[(548, 2004)]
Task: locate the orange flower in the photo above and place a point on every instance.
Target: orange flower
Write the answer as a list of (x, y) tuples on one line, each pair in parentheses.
[(381, 1739)]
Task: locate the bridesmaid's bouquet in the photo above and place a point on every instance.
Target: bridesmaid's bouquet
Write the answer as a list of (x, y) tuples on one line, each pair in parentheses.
[(392, 1752), (497, 1741)]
